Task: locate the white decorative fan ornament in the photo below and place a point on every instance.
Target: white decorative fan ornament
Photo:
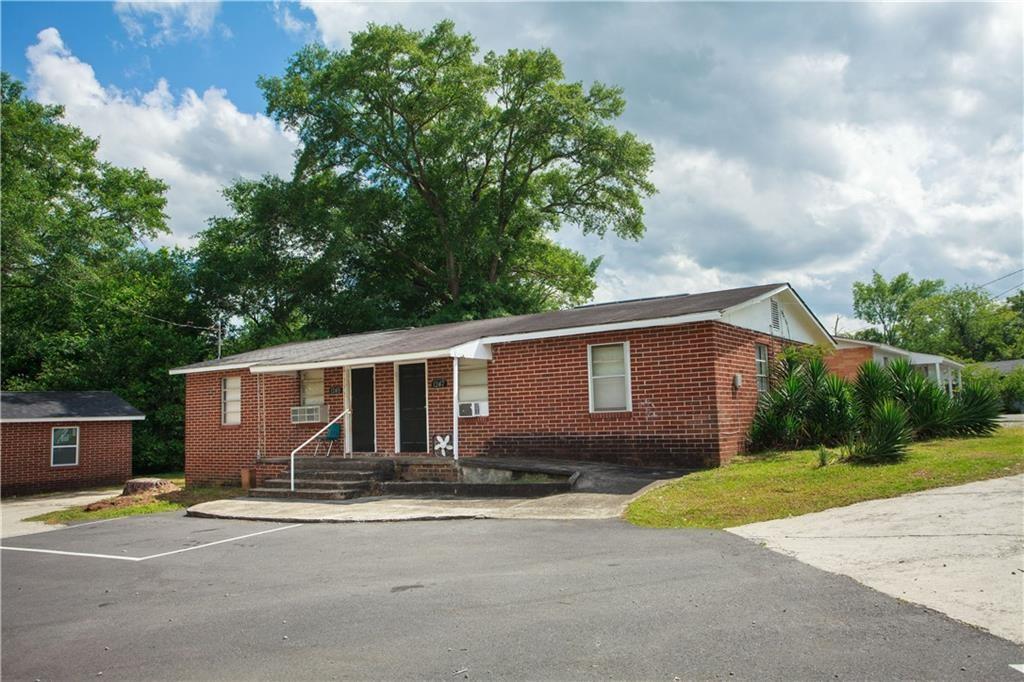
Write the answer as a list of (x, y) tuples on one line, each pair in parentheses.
[(442, 444)]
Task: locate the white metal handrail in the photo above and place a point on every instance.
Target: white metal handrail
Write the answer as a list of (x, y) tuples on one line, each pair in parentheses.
[(310, 440)]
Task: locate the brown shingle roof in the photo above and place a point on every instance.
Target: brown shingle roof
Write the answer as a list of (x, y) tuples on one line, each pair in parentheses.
[(444, 336)]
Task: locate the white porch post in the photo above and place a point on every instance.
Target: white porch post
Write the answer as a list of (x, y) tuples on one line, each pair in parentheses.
[(938, 374), (455, 408), (949, 381)]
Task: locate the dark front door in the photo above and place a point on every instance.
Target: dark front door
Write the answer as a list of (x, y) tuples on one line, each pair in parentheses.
[(361, 404), (412, 408)]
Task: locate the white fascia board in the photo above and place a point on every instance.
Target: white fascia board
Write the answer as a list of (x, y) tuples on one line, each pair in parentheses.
[(609, 327), (72, 419), (929, 359), (346, 362), (884, 347), (211, 368), (474, 350)]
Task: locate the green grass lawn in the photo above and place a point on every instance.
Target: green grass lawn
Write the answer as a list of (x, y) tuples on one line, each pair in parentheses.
[(181, 499), (777, 485)]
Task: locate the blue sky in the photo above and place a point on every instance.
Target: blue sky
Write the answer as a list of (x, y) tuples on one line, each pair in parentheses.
[(805, 142), (244, 42)]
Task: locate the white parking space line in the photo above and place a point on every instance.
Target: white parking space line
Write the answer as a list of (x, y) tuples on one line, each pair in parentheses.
[(218, 542), (62, 553), (151, 556)]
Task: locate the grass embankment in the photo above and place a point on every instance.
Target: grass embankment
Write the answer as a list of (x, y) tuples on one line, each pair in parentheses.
[(777, 485), (143, 504)]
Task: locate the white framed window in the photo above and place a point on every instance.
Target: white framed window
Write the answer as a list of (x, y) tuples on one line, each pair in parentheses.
[(608, 369), (761, 365), (231, 400), (64, 446), (472, 388), (311, 387)]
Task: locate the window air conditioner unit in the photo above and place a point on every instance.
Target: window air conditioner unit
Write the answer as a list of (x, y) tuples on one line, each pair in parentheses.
[(309, 414), (476, 409)]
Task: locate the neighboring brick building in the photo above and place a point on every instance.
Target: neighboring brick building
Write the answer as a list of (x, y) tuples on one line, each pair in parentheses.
[(663, 381), (851, 354), (55, 440)]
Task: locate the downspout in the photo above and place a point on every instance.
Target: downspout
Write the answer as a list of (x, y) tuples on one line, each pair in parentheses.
[(455, 408)]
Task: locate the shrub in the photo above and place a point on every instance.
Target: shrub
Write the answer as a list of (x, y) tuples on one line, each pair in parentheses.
[(975, 410), (885, 435), (1011, 386)]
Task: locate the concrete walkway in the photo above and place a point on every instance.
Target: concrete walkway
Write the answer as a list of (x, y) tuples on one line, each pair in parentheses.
[(602, 491), (563, 507), (14, 509), (958, 550)]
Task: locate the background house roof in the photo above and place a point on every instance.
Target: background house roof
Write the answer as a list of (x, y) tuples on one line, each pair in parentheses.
[(444, 336), (64, 405), (1003, 366)]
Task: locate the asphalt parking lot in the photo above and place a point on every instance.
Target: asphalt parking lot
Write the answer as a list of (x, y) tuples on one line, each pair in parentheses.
[(169, 597)]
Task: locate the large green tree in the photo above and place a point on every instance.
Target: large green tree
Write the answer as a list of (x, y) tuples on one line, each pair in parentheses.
[(964, 322), (886, 303), (439, 180), (85, 305)]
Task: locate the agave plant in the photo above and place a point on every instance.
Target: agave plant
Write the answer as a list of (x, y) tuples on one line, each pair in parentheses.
[(885, 435), (975, 410)]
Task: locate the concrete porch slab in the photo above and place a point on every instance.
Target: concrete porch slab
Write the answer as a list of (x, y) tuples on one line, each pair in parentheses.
[(367, 509)]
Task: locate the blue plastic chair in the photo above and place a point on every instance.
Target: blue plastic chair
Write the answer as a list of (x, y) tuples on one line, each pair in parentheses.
[(331, 436)]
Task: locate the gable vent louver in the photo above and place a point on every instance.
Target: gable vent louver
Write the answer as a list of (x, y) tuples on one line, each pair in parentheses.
[(775, 323)]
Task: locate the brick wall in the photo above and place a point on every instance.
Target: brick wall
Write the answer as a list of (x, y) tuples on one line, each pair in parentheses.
[(215, 452), (685, 412), (845, 362), (735, 353), (685, 409), (104, 456)]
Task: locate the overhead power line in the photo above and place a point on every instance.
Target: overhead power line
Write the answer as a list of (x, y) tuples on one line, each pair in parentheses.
[(1003, 293), (1010, 274)]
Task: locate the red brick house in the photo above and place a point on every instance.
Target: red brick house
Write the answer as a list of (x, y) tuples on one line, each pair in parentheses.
[(54, 440), (661, 381), (851, 354)]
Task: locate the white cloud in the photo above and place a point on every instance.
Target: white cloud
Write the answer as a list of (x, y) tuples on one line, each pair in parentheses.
[(197, 143), (287, 20), (165, 21)]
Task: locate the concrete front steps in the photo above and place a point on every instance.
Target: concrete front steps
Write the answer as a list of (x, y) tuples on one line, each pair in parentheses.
[(328, 479), (323, 478)]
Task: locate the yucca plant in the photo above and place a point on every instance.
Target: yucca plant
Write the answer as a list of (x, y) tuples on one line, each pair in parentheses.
[(831, 416), (927, 405), (779, 419), (884, 436), (873, 385), (975, 410)]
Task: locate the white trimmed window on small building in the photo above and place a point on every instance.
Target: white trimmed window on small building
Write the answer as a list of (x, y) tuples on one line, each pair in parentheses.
[(64, 446)]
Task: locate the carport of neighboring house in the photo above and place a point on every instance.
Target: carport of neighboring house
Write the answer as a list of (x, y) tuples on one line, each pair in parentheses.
[(669, 382)]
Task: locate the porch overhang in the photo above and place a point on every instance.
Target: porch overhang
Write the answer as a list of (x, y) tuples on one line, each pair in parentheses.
[(473, 349)]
